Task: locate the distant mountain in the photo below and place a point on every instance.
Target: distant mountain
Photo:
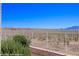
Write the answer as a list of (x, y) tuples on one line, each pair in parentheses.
[(72, 28)]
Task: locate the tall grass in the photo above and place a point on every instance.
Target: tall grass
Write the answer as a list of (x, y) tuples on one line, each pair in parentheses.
[(19, 45)]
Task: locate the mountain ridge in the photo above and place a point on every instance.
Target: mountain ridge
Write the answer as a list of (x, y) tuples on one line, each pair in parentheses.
[(72, 28)]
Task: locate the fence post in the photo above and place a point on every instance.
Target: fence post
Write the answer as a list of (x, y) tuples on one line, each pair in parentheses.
[(31, 37), (47, 40), (66, 43)]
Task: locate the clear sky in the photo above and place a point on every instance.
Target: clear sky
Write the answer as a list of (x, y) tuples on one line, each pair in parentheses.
[(40, 15)]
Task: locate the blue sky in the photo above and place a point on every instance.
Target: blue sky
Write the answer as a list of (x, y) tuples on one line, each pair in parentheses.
[(40, 15)]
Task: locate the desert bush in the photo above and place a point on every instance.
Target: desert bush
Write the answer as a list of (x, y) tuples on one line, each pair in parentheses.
[(19, 45), (22, 40)]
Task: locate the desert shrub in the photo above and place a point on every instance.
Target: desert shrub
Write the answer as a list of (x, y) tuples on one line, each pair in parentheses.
[(22, 40), (17, 46)]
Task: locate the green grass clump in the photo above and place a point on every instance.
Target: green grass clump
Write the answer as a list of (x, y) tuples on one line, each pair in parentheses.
[(19, 45)]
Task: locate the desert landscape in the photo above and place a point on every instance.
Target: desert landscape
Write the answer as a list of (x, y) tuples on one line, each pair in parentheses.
[(64, 42)]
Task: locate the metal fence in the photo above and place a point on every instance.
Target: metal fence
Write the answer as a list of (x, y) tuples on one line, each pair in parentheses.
[(59, 41)]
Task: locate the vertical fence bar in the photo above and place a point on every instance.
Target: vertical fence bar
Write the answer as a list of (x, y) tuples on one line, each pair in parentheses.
[(47, 40), (66, 43), (0, 27), (32, 38)]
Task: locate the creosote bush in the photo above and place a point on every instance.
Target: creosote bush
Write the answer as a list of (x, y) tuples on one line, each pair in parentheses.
[(19, 45)]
